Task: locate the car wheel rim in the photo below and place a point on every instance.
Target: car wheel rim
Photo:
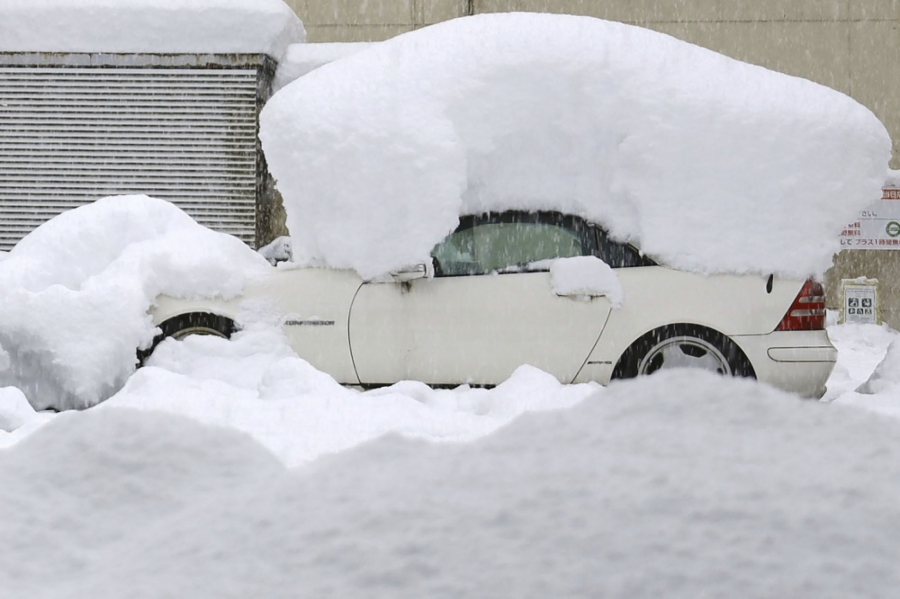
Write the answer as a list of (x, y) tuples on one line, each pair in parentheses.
[(197, 331), (684, 352)]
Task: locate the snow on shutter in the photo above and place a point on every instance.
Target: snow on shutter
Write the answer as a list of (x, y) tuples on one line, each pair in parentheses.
[(71, 135)]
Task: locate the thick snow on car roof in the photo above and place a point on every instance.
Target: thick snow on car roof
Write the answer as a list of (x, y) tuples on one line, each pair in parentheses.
[(300, 59), (707, 163), (158, 26)]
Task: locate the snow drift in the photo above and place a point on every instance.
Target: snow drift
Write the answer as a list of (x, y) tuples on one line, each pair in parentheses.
[(74, 293), (881, 391), (725, 489), (152, 26), (707, 163), (255, 383), (887, 374)]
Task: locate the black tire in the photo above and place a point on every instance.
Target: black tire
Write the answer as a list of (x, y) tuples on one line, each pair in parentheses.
[(196, 323), (683, 346)]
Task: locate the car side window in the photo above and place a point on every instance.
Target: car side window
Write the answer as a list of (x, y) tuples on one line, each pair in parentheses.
[(509, 243), (619, 255)]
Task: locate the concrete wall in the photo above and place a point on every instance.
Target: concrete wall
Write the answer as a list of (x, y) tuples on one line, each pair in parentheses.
[(371, 20), (849, 45)]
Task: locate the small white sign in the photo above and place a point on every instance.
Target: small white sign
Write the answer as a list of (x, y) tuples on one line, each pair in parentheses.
[(859, 301)]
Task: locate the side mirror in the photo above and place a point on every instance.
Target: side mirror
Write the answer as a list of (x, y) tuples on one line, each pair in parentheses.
[(279, 250), (411, 273)]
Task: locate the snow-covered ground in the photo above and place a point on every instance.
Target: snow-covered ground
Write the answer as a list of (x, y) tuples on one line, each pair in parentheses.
[(867, 374), (256, 384), (235, 469), (218, 472)]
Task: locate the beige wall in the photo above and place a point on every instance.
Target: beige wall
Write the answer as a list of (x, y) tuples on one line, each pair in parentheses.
[(371, 20), (849, 45)]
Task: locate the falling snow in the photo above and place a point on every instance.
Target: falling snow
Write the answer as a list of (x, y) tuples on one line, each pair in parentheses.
[(234, 468)]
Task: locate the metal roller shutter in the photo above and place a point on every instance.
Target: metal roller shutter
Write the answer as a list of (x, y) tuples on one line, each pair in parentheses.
[(69, 136)]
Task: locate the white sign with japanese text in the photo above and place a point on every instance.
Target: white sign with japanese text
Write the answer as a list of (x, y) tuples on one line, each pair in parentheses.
[(859, 301), (878, 227)]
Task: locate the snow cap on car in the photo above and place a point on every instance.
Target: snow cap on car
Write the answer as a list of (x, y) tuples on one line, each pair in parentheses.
[(707, 163)]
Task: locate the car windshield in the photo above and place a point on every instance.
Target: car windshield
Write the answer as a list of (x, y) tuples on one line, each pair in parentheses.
[(507, 245)]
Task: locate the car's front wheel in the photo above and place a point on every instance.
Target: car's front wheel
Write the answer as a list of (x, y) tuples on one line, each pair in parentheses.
[(196, 323), (683, 346)]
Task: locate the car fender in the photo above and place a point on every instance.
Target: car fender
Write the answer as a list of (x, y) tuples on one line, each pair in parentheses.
[(658, 296)]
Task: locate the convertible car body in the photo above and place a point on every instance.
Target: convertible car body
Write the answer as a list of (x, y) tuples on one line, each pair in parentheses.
[(486, 305)]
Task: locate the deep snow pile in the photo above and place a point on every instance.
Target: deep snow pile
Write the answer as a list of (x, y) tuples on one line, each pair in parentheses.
[(257, 384), (377, 154), (881, 391), (861, 347), (151, 26), (74, 293), (726, 488), (887, 374), (300, 59)]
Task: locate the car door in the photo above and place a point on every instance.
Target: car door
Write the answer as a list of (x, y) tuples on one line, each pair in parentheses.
[(489, 309), (313, 307)]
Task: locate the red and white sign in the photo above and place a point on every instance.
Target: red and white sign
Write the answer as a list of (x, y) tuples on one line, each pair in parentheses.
[(878, 227)]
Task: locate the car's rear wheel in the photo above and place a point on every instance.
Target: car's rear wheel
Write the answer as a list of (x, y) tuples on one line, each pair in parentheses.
[(683, 346), (185, 325)]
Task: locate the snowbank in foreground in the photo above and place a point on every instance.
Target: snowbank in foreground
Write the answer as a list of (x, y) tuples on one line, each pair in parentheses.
[(707, 163), (74, 293), (726, 488), (152, 26), (257, 384)]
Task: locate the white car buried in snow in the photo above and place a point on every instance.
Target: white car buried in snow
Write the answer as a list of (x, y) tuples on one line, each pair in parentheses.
[(493, 298)]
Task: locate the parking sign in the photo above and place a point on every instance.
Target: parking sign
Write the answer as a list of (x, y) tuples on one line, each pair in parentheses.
[(859, 301)]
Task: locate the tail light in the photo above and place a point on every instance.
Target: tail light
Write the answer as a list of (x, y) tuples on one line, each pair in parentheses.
[(807, 313)]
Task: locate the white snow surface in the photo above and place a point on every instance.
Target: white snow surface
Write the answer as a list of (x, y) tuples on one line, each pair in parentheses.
[(881, 391), (866, 374), (379, 153), (886, 374), (258, 385), (278, 250), (893, 179), (300, 59), (586, 275), (15, 410), (150, 26), (678, 485), (234, 468), (75, 292)]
